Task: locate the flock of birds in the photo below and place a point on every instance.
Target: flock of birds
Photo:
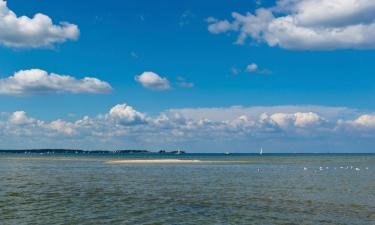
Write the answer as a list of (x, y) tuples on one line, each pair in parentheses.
[(327, 168), (341, 167), (324, 168)]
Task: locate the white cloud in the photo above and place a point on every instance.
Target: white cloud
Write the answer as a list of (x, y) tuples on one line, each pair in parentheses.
[(40, 82), (230, 113), (38, 31), (125, 114), (297, 120), (62, 127), (153, 81), (211, 20), (307, 119), (306, 24), (220, 26), (366, 121), (20, 118), (123, 125), (252, 67)]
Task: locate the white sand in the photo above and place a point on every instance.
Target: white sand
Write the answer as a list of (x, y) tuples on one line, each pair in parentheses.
[(169, 161), (153, 161)]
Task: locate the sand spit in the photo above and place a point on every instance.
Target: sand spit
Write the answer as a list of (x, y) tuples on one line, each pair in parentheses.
[(153, 161), (170, 161), (128, 161)]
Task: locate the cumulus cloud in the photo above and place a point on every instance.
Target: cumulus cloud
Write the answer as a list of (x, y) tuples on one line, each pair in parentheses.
[(220, 26), (20, 118), (153, 81), (125, 114), (230, 113), (299, 119), (306, 25), (20, 124), (253, 68), (62, 127), (366, 121), (38, 31), (125, 125), (40, 82)]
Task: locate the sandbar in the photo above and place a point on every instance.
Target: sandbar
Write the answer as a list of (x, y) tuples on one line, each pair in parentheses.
[(153, 161)]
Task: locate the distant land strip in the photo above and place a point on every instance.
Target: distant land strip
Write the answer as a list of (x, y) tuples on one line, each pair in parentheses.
[(80, 151)]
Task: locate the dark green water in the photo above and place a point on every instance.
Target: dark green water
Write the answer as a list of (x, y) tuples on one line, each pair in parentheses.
[(258, 190)]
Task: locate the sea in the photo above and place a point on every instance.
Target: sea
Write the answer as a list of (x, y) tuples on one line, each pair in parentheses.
[(210, 189)]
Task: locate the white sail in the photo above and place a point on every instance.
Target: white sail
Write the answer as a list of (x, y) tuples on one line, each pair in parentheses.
[(261, 151)]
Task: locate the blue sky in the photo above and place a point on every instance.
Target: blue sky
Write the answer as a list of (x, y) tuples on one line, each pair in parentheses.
[(190, 46)]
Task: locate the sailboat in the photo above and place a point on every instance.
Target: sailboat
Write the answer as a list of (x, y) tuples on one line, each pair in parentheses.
[(261, 151), (179, 152)]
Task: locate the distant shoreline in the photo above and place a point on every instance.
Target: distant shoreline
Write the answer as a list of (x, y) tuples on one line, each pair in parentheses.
[(80, 151), (161, 152)]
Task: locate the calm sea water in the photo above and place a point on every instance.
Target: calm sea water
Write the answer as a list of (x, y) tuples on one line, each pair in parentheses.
[(288, 189)]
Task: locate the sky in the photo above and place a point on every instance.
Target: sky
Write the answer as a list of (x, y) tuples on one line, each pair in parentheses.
[(228, 76)]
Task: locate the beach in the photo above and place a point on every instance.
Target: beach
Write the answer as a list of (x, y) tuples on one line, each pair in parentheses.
[(152, 161)]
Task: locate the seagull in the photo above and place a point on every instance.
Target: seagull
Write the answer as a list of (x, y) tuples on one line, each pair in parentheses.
[(357, 169), (304, 168)]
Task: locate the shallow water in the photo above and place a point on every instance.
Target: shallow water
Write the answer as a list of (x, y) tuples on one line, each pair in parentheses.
[(276, 189)]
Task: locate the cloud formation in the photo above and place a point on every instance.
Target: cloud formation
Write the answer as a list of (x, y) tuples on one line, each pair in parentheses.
[(40, 82), (126, 115), (153, 81), (123, 124), (253, 68), (38, 31), (305, 25), (364, 122)]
